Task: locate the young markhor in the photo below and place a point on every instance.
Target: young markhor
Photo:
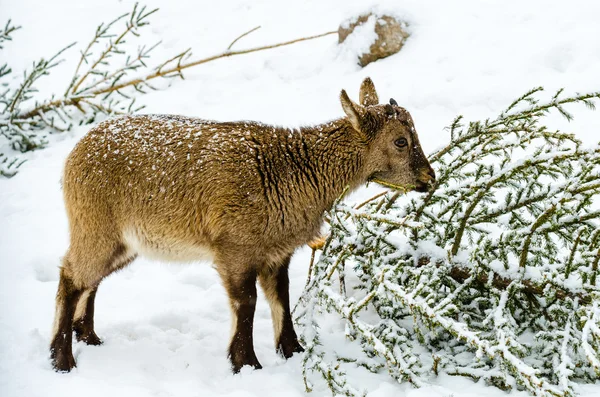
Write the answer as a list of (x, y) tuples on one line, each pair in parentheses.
[(243, 195)]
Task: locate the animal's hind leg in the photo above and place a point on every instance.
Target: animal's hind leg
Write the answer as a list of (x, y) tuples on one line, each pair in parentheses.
[(69, 291), (83, 319), (275, 284), (81, 272)]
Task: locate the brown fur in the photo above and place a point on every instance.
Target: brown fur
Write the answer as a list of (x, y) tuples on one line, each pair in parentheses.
[(242, 194)]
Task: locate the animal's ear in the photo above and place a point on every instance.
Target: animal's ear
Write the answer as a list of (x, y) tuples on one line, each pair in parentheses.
[(351, 109), (389, 110), (368, 95)]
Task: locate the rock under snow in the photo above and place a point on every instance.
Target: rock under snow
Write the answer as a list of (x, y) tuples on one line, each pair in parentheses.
[(389, 35)]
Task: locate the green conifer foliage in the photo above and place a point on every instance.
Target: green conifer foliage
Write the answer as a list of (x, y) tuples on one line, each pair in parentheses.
[(492, 275)]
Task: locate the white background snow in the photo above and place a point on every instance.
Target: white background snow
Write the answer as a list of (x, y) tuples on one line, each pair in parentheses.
[(166, 326)]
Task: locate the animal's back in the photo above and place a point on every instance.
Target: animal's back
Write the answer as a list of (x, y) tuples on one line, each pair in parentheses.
[(170, 185)]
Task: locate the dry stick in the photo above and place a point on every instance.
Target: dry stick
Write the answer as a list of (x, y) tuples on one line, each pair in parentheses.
[(499, 282), (310, 267), (242, 35), (371, 199), (400, 188), (205, 60), (162, 73)]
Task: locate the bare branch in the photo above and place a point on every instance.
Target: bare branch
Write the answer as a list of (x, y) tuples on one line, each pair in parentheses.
[(242, 35)]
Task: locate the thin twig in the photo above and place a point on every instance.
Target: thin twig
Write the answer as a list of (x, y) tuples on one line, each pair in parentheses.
[(359, 206), (242, 35), (310, 267)]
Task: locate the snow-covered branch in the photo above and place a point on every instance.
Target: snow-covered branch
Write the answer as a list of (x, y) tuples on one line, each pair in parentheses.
[(492, 275)]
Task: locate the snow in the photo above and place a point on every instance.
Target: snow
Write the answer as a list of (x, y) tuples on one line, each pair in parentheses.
[(166, 327)]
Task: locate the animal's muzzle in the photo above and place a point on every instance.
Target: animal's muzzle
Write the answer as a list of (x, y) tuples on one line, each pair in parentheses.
[(425, 181)]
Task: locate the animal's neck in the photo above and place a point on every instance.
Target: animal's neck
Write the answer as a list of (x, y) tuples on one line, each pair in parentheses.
[(335, 152)]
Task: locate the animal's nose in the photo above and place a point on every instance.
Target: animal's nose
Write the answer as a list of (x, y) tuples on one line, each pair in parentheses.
[(425, 181), (431, 174), (427, 176)]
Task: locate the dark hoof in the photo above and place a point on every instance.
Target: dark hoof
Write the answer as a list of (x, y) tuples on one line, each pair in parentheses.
[(242, 353), (237, 368), (62, 362), (241, 360), (89, 338), (288, 349), (85, 333)]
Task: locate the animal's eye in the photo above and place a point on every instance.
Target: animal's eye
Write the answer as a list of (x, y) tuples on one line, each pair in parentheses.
[(400, 142)]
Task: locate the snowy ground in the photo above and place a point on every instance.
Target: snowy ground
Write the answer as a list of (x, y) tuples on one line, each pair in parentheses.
[(166, 327)]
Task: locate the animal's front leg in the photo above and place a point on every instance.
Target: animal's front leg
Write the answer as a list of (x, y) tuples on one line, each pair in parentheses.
[(275, 283), (241, 287)]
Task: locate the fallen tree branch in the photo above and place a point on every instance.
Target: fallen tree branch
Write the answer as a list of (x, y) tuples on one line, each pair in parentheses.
[(461, 275), (70, 101), (502, 283)]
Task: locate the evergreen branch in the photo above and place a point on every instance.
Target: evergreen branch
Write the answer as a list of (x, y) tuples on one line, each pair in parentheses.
[(101, 33), (6, 32), (484, 187), (499, 260), (507, 118), (524, 372), (40, 68), (591, 328)]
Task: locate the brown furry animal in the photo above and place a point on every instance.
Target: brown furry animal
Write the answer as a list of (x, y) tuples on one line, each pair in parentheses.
[(244, 195)]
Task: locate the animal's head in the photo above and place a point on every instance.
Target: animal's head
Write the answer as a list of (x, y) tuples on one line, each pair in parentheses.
[(394, 154)]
